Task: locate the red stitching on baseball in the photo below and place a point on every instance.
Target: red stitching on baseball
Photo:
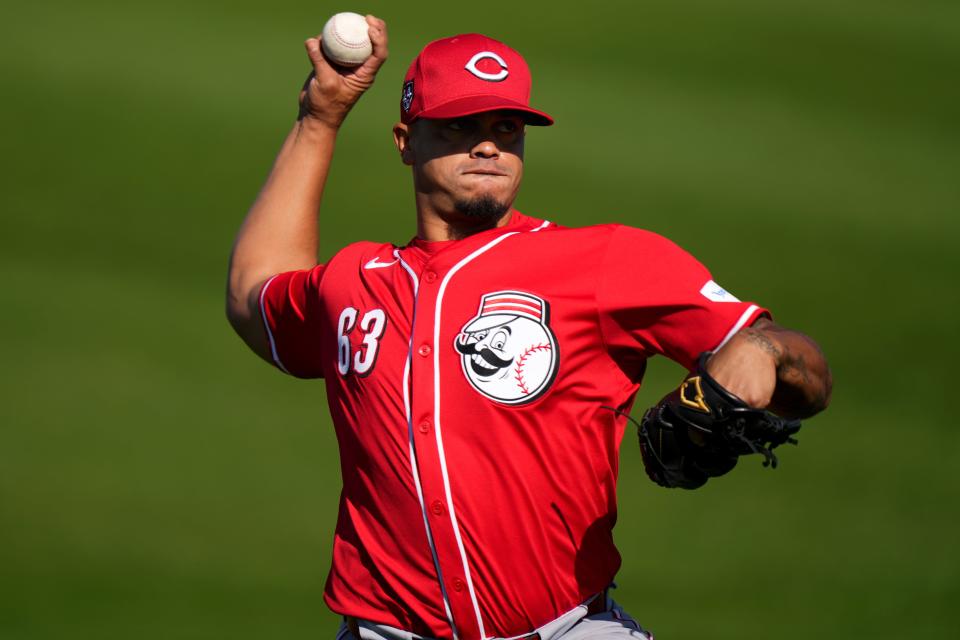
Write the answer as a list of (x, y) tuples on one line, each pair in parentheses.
[(522, 360)]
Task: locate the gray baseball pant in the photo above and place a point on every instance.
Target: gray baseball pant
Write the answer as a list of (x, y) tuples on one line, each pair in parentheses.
[(612, 624)]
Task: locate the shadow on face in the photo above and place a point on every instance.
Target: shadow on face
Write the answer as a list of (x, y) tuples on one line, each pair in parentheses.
[(472, 165)]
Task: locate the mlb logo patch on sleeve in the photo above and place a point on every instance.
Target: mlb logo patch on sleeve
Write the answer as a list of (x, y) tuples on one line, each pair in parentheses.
[(713, 291)]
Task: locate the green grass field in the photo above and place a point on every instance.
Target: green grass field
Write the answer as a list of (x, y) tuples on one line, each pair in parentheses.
[(158, 481)]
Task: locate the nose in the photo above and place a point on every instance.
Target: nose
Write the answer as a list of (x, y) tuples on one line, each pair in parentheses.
[(485, 148)]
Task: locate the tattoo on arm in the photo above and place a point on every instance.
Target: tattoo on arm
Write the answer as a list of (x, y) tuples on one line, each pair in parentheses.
[(794, 367), (805, 388), (759, 338)]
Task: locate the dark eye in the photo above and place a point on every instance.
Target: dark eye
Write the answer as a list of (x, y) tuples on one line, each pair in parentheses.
[(460, 124), (508, 126)]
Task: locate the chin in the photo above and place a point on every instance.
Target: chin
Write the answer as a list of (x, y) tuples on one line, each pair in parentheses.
[(483, 206)]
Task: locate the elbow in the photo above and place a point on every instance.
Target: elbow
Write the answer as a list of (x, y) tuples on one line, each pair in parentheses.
[(234, 317), (242, 304), (233, 309), (242, 310), (816, 394), (803, 396), (804, 372), (819, 381), (822, 400)]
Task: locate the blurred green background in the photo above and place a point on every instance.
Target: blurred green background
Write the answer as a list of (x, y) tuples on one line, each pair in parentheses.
[(158, 481)]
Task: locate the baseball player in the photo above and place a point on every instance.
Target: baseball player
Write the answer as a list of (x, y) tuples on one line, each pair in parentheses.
[(479, 376)]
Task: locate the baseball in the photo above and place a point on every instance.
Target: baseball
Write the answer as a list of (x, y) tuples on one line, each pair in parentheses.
[(345, 39)]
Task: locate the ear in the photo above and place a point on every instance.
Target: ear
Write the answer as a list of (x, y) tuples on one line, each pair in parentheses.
[(401, 138)]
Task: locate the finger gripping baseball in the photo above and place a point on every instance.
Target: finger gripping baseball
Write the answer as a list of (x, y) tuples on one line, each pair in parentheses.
[(699, 431)]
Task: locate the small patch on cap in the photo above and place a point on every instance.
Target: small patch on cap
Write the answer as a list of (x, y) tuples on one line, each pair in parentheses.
[(406, 96)]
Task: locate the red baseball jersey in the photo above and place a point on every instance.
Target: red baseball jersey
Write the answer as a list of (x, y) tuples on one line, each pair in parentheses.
[(467, 380)]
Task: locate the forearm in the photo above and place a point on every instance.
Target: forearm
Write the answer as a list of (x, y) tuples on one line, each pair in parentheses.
[(772, 367), (280, 230), (804, 382)]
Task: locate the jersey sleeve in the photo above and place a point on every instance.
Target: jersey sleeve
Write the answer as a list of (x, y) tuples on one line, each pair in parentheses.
[(290, 308), (656, 298)]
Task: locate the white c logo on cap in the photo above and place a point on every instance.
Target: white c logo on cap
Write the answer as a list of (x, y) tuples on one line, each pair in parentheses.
[(492, 77)]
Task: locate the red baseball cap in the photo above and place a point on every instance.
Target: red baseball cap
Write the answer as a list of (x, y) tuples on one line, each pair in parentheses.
[(467, 74)]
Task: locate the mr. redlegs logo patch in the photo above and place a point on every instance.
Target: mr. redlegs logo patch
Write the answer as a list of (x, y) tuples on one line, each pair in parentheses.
[(508, 351)]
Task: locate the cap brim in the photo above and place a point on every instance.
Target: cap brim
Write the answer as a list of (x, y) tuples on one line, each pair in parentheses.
[(471, 105)]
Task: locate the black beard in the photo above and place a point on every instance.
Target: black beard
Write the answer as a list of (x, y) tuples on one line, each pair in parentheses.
[(485, 208)]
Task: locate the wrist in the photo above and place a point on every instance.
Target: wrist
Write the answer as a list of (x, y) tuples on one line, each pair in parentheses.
[(311, 130), (317, 126)]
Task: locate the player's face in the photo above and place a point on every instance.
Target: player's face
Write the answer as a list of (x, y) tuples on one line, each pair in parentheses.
[(473, 159)]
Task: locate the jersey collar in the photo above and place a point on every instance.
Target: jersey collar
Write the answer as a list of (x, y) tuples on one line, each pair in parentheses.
[(517, 222)]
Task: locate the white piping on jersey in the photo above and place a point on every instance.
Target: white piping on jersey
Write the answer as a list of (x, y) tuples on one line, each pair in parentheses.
[(739, 325), (266, 325), (436, 417), (413, 456), (544, 225)]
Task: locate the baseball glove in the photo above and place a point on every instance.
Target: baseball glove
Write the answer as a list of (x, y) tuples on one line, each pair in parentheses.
[(700, 430)]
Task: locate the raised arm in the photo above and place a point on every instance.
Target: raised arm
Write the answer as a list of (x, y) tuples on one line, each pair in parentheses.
[(771, 367), (280, 231)]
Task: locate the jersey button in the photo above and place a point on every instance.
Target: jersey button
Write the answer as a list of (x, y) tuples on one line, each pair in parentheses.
[(458, 585), (430, 276), (424, 427), (424, 350), (437, 508)]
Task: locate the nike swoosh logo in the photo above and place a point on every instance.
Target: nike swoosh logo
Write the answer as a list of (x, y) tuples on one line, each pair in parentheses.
[(376, 264)]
